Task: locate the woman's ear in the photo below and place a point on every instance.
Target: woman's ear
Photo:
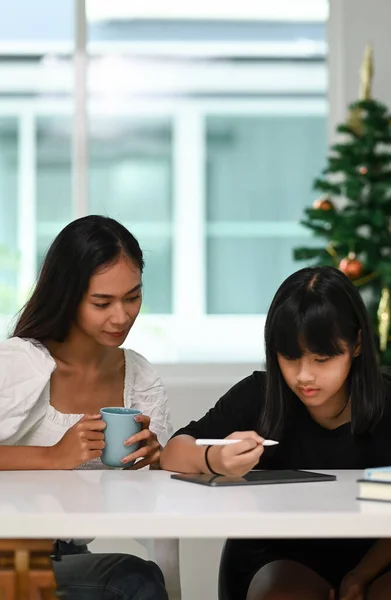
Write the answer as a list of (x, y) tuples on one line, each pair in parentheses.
[(357, 348)]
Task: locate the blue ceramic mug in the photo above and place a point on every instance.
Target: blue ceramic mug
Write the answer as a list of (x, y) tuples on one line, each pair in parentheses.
[(120, 425)]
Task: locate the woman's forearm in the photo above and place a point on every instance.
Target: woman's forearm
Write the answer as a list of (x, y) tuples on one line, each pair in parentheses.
[(26, 458)]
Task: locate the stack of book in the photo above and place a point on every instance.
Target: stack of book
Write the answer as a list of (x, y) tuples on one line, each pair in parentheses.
[(376, 484)]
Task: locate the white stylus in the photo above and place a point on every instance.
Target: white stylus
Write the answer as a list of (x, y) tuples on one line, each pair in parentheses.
[(228, 442)]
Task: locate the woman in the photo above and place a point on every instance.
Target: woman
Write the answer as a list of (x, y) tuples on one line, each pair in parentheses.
[(324, 399), (62, 365)]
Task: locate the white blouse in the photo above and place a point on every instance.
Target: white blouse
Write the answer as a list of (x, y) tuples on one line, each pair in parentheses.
[(28, 419)]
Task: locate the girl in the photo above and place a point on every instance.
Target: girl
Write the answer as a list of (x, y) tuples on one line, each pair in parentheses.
[(62, 365), (324, 399)]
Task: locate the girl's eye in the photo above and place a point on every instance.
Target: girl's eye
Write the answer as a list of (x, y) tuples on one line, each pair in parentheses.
[(102, 305), (322, 360)]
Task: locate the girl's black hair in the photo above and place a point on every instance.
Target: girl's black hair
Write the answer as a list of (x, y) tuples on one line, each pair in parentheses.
[(80, 249), (319, 309)]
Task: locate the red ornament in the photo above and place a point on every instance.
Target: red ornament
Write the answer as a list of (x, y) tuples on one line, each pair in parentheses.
[(363, 170), (351, 266), (323, 204)]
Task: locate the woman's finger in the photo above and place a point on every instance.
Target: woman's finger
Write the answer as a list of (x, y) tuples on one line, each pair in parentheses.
[(95, 435), (154, 458), (142, 435), (142, 452), (144, 420)]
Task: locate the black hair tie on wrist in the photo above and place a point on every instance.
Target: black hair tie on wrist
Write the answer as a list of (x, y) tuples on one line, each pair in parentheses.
[(207, 462)]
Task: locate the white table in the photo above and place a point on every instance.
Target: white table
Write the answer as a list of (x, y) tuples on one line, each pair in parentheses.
[(148, 504)]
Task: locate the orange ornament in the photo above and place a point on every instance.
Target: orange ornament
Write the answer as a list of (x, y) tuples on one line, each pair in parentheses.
[(363, 170), (323, 204), (351, 266)]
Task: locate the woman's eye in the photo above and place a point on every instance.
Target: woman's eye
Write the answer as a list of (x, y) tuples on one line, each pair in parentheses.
[(322, 360), (105, 305), (134, 298)]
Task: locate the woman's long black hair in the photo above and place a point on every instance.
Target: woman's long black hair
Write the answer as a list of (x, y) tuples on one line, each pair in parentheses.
[(80, 249), (319, 309)]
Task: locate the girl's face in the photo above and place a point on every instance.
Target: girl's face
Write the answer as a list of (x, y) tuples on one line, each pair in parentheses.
[(318, 381), (111, 304)]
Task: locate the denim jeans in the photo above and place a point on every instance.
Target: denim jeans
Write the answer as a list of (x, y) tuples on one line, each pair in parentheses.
[(81, 575)]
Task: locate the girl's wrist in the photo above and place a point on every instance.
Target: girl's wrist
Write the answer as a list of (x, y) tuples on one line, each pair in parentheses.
[(364, 573)]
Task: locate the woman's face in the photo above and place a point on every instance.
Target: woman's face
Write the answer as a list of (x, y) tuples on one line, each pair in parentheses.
[(318, 381), (111, 304)]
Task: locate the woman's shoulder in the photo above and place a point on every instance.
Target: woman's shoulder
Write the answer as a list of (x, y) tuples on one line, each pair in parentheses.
[(140, 373), (144, 390), (138, 362), (134, 357), (26, 367), (26, 353)]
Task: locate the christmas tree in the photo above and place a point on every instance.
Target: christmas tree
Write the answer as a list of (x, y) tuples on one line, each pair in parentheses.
[(353, 215)]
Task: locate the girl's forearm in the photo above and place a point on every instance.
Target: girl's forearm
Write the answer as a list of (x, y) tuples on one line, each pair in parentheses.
[(378, 557)]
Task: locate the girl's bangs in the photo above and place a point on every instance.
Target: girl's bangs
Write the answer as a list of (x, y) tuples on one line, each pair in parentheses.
[(312, 328)]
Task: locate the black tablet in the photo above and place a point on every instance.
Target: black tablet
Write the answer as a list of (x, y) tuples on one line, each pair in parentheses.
[(255, 478)]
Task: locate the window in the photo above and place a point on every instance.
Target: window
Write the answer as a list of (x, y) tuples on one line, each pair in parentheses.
[(34, 204), (203, 139), (130, 179), (53, 178), (9, 258), (259, 169)]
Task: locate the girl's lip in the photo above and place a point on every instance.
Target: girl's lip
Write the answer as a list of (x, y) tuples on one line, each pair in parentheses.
[(308, 391)]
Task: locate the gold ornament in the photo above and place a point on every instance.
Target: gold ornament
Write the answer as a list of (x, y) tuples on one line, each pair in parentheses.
[(355, 121), (366, 279), (351, 266), (333, 253), (323, 204), (366, 73), (384, 317), (366, 76)]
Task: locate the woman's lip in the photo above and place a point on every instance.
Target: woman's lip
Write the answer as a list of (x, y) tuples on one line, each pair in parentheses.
[(115, 333)]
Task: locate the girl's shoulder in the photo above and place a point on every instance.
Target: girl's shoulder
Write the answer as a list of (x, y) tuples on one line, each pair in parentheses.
[(253, 385), (387, 393)]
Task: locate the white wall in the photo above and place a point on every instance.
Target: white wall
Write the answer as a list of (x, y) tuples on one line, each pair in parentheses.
[(352, 24)]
